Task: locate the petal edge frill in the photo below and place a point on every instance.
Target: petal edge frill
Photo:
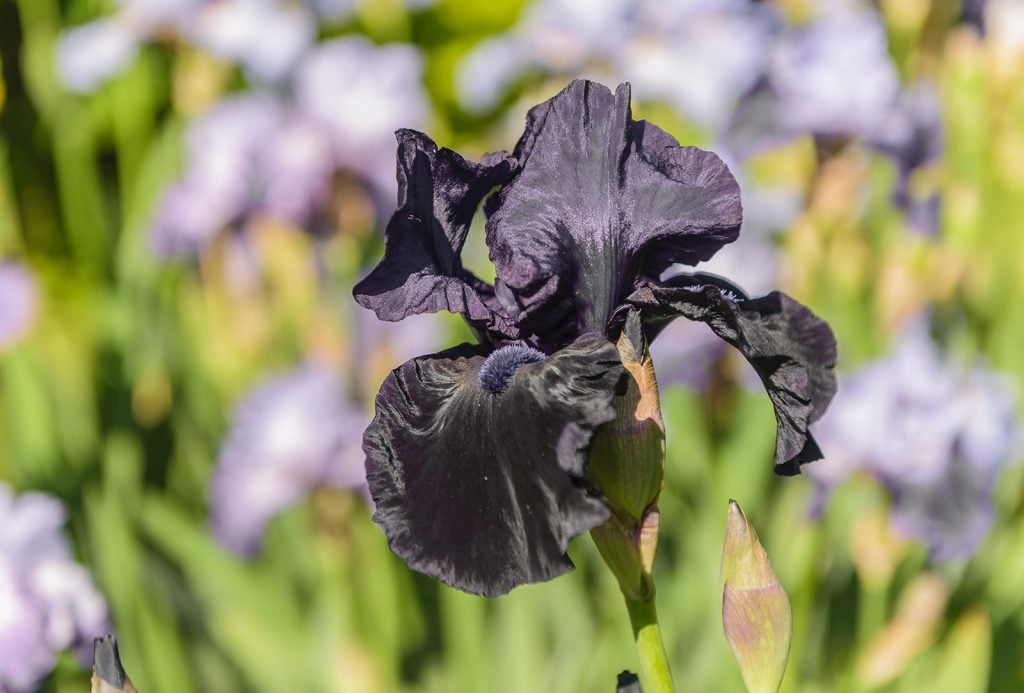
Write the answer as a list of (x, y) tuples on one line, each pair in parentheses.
[(421, 271), (792, 350)]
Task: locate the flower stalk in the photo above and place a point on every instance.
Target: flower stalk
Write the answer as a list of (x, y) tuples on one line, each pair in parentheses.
[(654, 669), (627, 462)]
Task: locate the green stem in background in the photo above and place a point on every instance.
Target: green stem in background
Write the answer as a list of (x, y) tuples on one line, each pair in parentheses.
[(655, 674)]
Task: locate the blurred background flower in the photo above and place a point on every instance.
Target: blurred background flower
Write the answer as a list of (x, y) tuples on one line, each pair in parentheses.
[(48, 601), (18, 300), (292, 434), (256, 154), (933, 432)]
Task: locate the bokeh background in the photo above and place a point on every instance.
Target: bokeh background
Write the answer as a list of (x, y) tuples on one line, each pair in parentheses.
[(190, 188)]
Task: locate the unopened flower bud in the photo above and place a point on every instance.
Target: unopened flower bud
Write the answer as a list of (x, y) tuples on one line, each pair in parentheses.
[(755, 610), (108, 676), (627, 462)]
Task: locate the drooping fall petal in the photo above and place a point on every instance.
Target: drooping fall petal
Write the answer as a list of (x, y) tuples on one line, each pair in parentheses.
[(792, 350), (475, 460)]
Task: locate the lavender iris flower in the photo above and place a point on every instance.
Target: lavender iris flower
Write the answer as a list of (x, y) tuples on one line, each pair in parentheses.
[(218, 185), (233, 30), (476, 457), (831, 78), (359, 94), (267, 38), (934, 434), (700, 56), (290, 435), (18, 300), (89, 55), (697, 55), (48, 603), (834, 76), (912, 137), (835, 80), (263, 154)]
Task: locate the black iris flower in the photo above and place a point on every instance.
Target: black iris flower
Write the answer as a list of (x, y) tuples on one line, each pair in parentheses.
[(477, 456)]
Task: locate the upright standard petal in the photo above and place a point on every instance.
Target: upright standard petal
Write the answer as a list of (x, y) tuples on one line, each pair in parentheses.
[(421, 271), (792, 350), (476, 461), (599, 201)]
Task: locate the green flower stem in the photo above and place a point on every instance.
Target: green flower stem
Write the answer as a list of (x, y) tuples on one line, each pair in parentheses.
[(655, 674)]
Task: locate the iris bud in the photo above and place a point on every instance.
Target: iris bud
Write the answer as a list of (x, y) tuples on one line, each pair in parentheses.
[(755, 610), (627, 462), (108, 676)]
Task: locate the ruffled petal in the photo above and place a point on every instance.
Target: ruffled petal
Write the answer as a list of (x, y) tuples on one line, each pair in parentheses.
[(792, 349), (421, 271), (600, 200), (478, 478)]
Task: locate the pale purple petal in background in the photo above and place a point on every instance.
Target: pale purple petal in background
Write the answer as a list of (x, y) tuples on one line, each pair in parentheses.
[(218, 185), (48, 602), (332, 10), (293, 433), (296, 166), (488, 71), (76, 611), (266, 38), (553, 36), (912, 136), (90, 54), (361, 94), (934, 432), (19, 299), (685, 353), (379, 346), (31, 529), (149, 17), (263, 153), (699, 57), (25, 658), (834, 76)]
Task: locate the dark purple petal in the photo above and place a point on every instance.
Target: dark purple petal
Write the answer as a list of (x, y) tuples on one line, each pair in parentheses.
[(792, 350), (484, 488), (600, 200), (421, 271)]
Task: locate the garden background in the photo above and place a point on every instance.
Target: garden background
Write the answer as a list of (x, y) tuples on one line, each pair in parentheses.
[(190, 188)]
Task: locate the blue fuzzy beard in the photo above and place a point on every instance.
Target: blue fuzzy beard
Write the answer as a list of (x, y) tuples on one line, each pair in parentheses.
[(503, 363)]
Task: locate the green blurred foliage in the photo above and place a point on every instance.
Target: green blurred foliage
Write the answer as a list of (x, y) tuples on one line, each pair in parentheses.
[(117, 400)]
